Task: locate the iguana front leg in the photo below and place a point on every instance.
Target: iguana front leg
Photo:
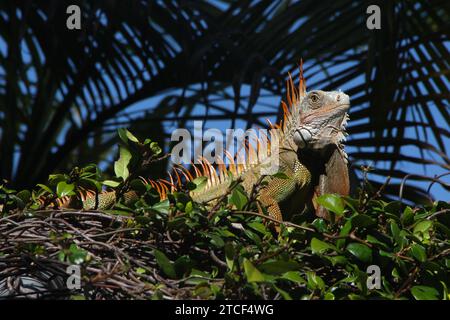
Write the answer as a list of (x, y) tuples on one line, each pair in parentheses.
[(276, 191), (279, 190)]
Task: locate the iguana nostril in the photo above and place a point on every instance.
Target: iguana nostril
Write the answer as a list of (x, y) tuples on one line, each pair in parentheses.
[(338, 98)]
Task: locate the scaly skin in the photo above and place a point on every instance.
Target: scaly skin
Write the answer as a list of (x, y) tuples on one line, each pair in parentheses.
[(107, 199), (89, 200), (311, 137), (276, 194)]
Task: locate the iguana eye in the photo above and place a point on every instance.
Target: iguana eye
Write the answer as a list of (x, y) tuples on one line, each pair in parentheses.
[(314, 98)]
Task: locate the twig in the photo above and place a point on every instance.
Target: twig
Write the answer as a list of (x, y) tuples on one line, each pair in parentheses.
[(405, 286)]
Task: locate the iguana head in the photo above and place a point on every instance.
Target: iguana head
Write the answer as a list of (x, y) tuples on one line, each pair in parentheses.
[(314, 120), (322, 120)]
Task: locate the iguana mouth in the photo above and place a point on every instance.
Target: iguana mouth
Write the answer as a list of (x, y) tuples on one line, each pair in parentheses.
[(343, 123), (343, 127)]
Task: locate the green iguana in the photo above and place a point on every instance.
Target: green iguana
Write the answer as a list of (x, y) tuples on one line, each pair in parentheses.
[(311, 157)]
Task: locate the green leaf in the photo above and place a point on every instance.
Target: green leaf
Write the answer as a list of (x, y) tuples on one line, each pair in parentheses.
[(140, 270), (393, 207), (121, 165), (162, 207), (422, 227), (407, 217), (363, 221), (61, 256), (284, 294), (126, 135), (77, 255), (122, 132), (216, 240), (252, 274), (238, 198), (91, 183), (319, 246), (258, 226), (424, 293), (65, 189), (445, 294), (165, 264), (24, 195), (6, 190), (344, 232), (197, 277), (386, 254), (44, 187), (253, 236), (293, 276), (315, 281), (418, 252), (328, 296), (203, 291), (443, 228), (337, 260), (55, 178), (229, 255), (360, 251), (111, 183), (19, 202), (279, 266), (332, 202), (189, 207), (183, 266), (320, 225), (395, 231), (156, 149), (373, 240)]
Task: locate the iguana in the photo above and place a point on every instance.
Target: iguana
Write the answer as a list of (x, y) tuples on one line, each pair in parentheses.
[(311, 157)]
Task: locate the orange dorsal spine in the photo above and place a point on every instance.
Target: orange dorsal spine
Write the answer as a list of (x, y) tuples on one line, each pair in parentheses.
[(293, 98), (302, 82)]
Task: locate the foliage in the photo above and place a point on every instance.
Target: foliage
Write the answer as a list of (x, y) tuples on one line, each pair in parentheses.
[(177, 248), (63, 92), (177, 251)]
